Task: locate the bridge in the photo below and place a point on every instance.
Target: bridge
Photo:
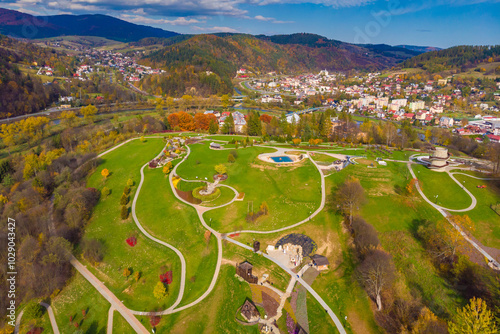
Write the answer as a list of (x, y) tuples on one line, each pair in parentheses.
[(307, 111)]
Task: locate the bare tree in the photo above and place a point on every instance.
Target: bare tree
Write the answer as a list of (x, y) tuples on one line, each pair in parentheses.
[(365, 235), (349, 197), (376, 273)]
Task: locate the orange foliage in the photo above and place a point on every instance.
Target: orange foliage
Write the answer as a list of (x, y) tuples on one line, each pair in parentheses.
[(266, 118), (202, 121), (182, 120)]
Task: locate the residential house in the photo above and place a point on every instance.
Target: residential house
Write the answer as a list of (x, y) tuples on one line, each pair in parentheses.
[(446, 122), (320, 262)]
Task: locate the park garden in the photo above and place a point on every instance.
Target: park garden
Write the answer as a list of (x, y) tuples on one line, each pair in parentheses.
[(146, 275)]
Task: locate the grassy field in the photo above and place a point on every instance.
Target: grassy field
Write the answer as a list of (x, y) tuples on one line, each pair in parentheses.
[(28, 323), (107, 226), (450, 194), (174, 222), (396, 216), (290, 192), (487, 221), (338, 286), (318, 157), (120, 325), (80, 295), (231, 137), (225, 197), (216, 314)]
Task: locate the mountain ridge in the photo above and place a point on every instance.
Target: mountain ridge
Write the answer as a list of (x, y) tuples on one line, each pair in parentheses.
[(21, 25)]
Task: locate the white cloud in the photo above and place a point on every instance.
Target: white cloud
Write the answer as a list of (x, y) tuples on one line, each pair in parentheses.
[(214, 29), (180, 21), (262, 18), (267, 19)]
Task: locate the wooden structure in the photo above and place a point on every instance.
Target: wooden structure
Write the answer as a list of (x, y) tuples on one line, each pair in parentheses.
[(249, 311), (244, 270), (320, 262), (256, 246)]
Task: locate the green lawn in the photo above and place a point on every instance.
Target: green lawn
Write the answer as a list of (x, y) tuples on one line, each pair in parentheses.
[(215, 314), (120, 325), (318, 157), (319, 321), (487, 221), (147, 257), (450, 194), (290, 192), (338, 286), (225, 197), (176, 223), (28, 323), (420, 276), (395, 217), (80, 295), (229, 138)]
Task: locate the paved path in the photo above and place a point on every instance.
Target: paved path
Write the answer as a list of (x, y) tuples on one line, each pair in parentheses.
[(149, 236), (439, 207), (292, 274), (18, 322), (129, 314), (320, 208), (110, 297), (475, 177), (111, 312), (447, 216), (320, 300), (52, 318)]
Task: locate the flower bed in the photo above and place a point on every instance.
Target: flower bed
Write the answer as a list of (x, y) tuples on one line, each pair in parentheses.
[(132, 241), (206, 198), (222, 177)]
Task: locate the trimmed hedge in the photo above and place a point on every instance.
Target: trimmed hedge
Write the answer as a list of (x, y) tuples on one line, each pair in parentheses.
[(206, 198)]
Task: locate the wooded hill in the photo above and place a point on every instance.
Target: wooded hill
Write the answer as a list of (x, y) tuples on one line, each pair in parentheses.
[(19, 93), (223, 54), (456, 58)]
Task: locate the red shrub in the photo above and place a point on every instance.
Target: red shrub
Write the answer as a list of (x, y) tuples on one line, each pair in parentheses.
[(132, 241), (167, 277)]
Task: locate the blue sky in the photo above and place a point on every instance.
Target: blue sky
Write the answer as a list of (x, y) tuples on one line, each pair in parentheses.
[(441, 23)]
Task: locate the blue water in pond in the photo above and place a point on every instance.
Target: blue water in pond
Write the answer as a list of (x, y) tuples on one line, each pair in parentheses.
[(282, 159)]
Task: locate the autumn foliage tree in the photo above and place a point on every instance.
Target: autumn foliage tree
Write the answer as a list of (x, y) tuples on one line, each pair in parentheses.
[(105, 173), (220, 169), (474, 318), (160, 291)]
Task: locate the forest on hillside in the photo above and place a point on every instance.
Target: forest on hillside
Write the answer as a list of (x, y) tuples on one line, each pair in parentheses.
[(459, 57)]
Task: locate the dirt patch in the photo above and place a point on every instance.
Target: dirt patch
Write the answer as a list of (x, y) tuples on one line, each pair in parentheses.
[(262, 167), (270, 305), (358, 325), (365, 162), (227, 261), (129, 290), (382, 189)]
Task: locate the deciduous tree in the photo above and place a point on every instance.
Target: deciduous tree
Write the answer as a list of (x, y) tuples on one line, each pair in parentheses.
[(376, 274), (349, 197), (160, 291), (475, 318)]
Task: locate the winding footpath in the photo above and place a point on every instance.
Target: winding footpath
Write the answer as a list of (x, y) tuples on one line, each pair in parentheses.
[(128, 314), (293, 275), (52, 318), (444, 211)]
